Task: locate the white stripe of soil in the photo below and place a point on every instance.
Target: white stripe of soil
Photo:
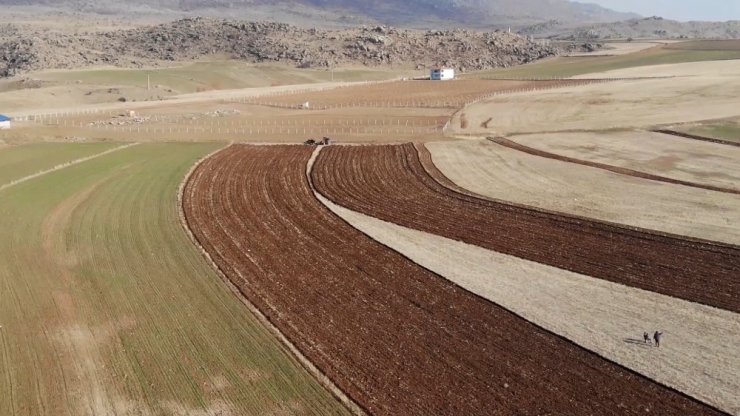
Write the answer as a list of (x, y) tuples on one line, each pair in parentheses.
[(699, 354)]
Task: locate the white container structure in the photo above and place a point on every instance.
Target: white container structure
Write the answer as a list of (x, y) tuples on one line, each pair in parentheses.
[(442, 74), (4, 122)]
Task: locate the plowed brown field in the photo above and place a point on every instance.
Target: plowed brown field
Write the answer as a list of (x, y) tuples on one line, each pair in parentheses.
[(395, 337), (390, 183)]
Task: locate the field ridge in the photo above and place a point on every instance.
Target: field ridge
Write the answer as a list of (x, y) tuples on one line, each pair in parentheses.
[(376, 178), (64, 165), (502, 141)]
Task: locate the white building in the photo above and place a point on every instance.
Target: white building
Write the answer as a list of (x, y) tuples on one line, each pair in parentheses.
[(4, 122), (442, 74)]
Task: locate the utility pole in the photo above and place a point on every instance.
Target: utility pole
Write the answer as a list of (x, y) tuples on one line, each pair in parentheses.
[(148, 83)]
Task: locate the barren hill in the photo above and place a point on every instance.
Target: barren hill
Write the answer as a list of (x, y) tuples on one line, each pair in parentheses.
[(24, 49), (647, 28)]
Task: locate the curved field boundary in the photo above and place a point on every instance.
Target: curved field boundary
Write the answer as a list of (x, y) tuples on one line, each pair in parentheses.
[(305, 362), (698, 356), (696, 137), (396, 337), (615, 169), (467, 180), (63, 165), (390, 183)]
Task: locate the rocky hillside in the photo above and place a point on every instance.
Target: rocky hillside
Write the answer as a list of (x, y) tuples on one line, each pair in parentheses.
[(648, 28), (189, 39)]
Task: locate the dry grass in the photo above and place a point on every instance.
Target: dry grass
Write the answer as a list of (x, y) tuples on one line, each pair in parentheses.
[(658, 154), (505, 174)]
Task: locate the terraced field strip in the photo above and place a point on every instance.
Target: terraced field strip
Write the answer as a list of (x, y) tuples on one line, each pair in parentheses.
[(697, 137), (396, 337), (697, 356), (506, 175), (108, 308), (645, 151), (17, 162), (390, 183), (616, 169)]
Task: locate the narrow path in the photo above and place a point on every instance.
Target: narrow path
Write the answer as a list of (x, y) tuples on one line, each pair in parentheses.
[(615, 169), (64, 165)]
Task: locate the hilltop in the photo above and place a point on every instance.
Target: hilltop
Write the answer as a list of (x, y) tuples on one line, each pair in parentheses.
[(647, 28), (25, 48)]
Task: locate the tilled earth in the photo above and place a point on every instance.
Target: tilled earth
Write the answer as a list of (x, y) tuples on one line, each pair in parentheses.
[(397, 338), (391, 183)]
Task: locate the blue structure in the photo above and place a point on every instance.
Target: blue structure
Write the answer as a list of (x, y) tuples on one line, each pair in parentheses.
[(4, 122)]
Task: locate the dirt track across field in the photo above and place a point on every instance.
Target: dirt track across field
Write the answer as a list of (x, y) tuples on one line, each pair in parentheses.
[(394, 336), (616, 169), (390, 183)]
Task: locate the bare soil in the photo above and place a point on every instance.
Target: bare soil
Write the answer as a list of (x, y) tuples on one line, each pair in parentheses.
[(391, 183), (697, 355), (397, 338)]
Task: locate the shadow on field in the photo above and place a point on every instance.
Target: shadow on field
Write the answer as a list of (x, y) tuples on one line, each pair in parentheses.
[(637, 341)]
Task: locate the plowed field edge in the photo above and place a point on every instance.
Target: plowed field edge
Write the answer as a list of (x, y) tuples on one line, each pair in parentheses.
[(325, 381), (427, 162)]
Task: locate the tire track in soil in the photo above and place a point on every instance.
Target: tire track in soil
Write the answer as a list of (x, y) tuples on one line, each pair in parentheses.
[(394, 336), (502, 141), (390, 183)]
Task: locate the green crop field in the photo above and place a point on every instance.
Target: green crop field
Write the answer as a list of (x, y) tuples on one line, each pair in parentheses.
[(563, 67), (726, 130), (19, 161), (201, 76), (707, 45), (106, 307)]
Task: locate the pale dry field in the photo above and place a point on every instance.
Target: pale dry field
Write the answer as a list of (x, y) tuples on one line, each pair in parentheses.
[(28, 102), (655, 153), (706, 90), (698, 356), (506, 174)]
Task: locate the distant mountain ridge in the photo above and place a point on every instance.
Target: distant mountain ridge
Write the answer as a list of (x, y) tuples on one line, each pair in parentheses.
[(647, 28), (471, 13)]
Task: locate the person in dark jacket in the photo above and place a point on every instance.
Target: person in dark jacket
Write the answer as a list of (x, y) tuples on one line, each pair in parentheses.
[(656, 336), (646, 337)]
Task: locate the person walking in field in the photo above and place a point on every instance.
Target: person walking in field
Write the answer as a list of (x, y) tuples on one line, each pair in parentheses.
[(656, 336), (646, 337)]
